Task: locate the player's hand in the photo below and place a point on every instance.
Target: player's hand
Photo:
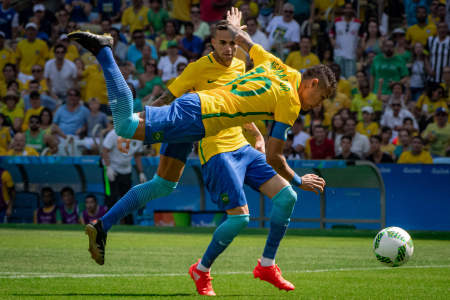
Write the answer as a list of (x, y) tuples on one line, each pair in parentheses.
[(234, 16), (123, 144), (110, 173), (260, 145), (312, 183), (142, 177)]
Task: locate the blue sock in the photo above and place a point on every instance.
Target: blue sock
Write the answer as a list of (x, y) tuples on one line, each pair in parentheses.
[(223, 236), (136, 197), (119, 95), (283, 205)]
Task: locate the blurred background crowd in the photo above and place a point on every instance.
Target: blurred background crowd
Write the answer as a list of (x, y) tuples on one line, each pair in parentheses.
[(392, 58)]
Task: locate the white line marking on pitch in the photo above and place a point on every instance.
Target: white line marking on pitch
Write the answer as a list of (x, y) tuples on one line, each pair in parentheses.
[(23, 275)]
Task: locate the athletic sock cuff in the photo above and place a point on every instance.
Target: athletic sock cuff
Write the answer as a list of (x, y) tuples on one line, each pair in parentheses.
[(165, 183)]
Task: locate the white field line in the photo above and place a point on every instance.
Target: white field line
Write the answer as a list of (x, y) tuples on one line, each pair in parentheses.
[(23, 275)]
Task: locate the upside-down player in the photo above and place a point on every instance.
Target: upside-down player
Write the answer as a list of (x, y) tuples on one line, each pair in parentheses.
[(271, 91)]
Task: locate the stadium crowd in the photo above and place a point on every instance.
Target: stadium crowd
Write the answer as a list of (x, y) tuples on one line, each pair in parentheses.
[(392, 59)]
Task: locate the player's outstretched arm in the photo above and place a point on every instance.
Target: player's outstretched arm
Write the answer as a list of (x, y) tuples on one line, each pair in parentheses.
[(241, 38), (275, 157), (260, 144)]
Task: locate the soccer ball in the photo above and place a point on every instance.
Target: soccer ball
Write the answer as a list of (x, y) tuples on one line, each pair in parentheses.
[(393, 246)]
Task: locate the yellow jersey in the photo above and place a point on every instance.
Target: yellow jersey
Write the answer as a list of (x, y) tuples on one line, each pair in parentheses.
[(368, 130), (267, 92), (205, 74), (408, 158), (43, 88), (7, 183), (95, 84), (297, 61), (332, 106), (416, 34), (30, 54), (425, 104), (134, 20), (27, 151), (5, 138), (6, 56), (181, 9), (345, 87), (16, 113)]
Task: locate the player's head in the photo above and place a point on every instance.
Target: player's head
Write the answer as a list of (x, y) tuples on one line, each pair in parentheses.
[(34, 123), (346, 143), (416, 145), (223, 43), (91, 202), (67, 195), (47, 196), (318, 83)]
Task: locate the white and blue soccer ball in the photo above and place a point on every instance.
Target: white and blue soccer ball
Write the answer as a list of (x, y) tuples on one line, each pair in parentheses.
[(393, 246)]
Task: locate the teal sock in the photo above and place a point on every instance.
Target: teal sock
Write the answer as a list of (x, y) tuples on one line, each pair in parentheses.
[(282, 208), (223, 236), (120, 97), (137, 197)]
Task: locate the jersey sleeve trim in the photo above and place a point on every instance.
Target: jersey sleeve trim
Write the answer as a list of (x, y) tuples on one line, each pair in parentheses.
[(279, 130), (238, 114)]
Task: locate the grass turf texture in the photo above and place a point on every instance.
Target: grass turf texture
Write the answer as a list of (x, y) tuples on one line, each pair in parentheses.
[(52, 262)]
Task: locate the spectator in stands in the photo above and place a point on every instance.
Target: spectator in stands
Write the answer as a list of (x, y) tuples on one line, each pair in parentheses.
[(62, 22), (360, 143), (284, 31), (433, 16), (388, 67), (446, 82), (344, 38), (19, 148), (5, 134), (319, 146), (288, 150), (71, 118), (212, 11), (34, 135), (170, 35), (367, 126), (34, 110), (157, 16), (46, 214), (316, 115), (343, 85), (304, 58), (30, 51), (167, 65), (365, 98), (401, 45), (118, 167), (416, 155), (7, 195), (150, 84), (127, 69), (201, 28), (109, 10), (437, 134), (257, 35), (9, 75), (9, 20), (61, 73), (442, 13), (337, 127), (135, 17), (346, 146), (386, 138), (71, 52), (146, 57), (68, 212), (37, 72), (95, 85), (334, 104), (120, 49), (190, 45), (46, 117), (404, 138), (93, 211), (408, 124), (393, 118), (300, 137), (6, 55), (44, 24), (420, 32), (439, 49), (376, 155), (135, 50), (432, 100), (12, 111), (411, 10), (371, 40), (420, 68)]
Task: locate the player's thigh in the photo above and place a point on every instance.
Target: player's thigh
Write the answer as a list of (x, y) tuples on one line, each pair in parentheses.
[(172, 160), (240, 210), (224, 180)]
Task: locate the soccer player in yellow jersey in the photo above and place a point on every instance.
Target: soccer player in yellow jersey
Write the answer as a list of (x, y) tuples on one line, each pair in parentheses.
[(272, 91)]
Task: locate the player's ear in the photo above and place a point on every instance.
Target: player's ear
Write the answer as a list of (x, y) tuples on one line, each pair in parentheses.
[(315, 83)]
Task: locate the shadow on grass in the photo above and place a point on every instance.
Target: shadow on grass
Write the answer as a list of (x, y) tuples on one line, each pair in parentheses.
[(121, 295)]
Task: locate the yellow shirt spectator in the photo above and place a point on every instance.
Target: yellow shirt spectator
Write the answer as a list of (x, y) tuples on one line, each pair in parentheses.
[(429, 107), (5, 138), (31, 112), (181, 9), (6, 184), (28, 151), (389, 149), (16, 113), (323, 5), (72, 53), (252, 5), (29, 54), (371, 129), (42, 86), (416, 34), (4, 87), (407, 157), (136, 20), (370, 100), (299, 62), (345, 87), (332, 106), (95, 84), (6, 56)]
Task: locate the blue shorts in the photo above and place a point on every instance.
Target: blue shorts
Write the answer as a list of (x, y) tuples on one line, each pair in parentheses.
[(178, 151), (225, 174), (179, 122)]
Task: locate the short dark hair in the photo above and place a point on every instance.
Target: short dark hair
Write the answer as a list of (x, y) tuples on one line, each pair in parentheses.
[(77, 91), (47, 110), (67, 189), (10, 65), (189, 24), (137, 31), (377, 137), (347, 137), (385, 129), (420, 7), (252, 19), (327, 80), (35, 117), (350, 119), (91, 196), (11, 83), (305, 37), (58, 46), (34, 81), (220, 26), (407, 119), (419, 138), (35, 95)]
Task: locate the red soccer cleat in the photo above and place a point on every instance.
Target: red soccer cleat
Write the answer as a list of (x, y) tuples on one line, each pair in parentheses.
[(202, 280), (272, 274)]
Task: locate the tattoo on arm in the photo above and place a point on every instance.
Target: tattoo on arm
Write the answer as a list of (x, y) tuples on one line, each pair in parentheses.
[(164, 99), (241, 38)]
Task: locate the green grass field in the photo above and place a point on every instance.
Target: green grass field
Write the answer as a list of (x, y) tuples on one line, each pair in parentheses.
[(52, 262)]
